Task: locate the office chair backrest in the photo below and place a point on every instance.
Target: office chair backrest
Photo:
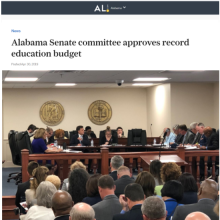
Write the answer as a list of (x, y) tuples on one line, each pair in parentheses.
[(72, 133), (14, 150), (137, 137), (23, 142)]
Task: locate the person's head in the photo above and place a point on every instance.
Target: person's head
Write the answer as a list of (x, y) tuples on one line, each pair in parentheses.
[(123, 171), (173, 189), (134, 194), (80, 130), (176, 129), (147, 182), (88, 130), (216, 208), (200, 128), (39, 175), (166, 130), (183, 129), (62, 203), (208, 189), (49, 132), (59, 133), (31, 128), (92, 185), (192, 127), (77, 184), (108, 132), (188, 182), (82, 211), (44, 194), (155, 167), (119, 130), (77, 165), (106, 186), (197, 216), (170, 171), (40, 133), (153, 208), (31, 166), (207, 131), (55, 180), (116, 162)]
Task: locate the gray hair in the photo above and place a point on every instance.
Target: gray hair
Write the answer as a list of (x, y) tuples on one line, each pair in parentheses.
[(153, 207), (82, 211), (193, 125), (117, 161), (200, 124), (176, 126), (48, 129), (44, 194)]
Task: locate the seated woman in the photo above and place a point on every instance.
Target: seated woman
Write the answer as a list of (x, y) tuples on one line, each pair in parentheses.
[(59, 134), (146, 180), (172, 193), (190, 189), (42, 210), (55, 180), (75, 165), (92, 190), (39, 175), (155, 167), (108, 139)]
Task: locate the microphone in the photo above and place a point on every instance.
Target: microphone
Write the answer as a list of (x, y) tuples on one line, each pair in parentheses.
[(151, 130)]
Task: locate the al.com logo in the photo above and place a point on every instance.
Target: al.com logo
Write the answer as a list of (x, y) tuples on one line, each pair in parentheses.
[(97, 8)]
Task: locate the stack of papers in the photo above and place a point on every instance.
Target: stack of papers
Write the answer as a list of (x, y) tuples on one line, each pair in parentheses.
[(71, 151), (190, 147)]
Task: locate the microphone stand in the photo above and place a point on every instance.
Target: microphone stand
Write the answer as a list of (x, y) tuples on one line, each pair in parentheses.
[(161, 146)]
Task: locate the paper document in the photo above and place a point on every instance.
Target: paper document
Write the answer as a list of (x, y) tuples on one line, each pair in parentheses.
[(24, 205), (71, 151)]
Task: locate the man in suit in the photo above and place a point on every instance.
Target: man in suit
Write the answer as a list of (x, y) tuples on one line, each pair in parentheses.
[(61, 205), (115, 163), (188, 136), (193, 129), (197, 216), (203, 140), (207, 195), (22, 187), (31, 128), (153, 208), (79, 139), (82, 211), (131, 203), (124, 178), (110, 205), (50, 137)]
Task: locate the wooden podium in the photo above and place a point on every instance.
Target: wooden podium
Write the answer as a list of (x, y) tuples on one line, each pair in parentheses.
[(163, 158)]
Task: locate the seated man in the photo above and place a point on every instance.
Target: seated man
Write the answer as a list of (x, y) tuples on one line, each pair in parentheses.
[(179, 137), (50, 137), (124, 178), (31, 128), (79, 139), (61, 205), (188, 136), (22, 187), (203, 140), (193, 129), (82, 211), (207, 195), (109, 206), (120, 132), (131, 208), (115, 163), (170, 136), (89, 132), (153, 208), (197, 216)]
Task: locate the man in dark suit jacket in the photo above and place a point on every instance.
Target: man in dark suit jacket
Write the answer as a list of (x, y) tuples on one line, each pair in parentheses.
[(79, 139), (124, 178), (22, 187), (115, 163), (207, 195), (131, 208), (61, 205), (188, 136)]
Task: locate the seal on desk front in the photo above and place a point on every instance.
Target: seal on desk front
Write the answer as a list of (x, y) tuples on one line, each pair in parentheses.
[(99, 112), (51, 113)]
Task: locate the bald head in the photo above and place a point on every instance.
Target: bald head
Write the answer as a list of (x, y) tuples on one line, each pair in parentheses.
[(61, 203), (197, 216), (82, 211), (122, 171), (207, 131), (208, 189)]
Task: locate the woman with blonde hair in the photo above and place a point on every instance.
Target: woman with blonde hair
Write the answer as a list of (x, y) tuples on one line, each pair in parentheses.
[(75, 165), (108, 139)]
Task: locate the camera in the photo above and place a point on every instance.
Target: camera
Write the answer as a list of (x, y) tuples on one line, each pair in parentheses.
[(119, 82)]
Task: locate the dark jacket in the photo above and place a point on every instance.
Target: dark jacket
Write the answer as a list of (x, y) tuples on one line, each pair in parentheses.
[(74, 140), (204, 205), (114, 175), (63, 217), (179, 139), (203, 140), (50, 140), (213, 141), (122, 183), (92, 200), (134, 214), (113, 140), (20, 195), (196, 138), (189, 198), (189, 137)]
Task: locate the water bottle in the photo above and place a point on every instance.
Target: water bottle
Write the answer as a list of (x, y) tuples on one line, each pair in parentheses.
[(55, 143), (155, 141), (92, 143)]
